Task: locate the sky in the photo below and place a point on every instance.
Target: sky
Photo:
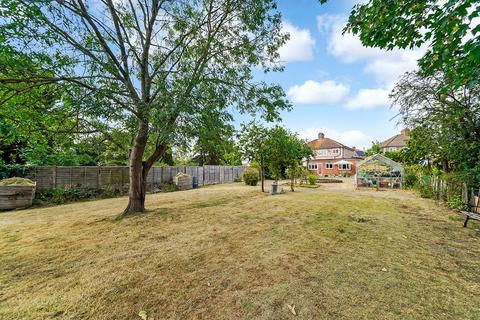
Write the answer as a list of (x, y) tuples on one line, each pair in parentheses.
[(336, 85)]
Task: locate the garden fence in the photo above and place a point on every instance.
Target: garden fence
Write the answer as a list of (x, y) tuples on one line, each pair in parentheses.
[(117, 177), (445, 190)]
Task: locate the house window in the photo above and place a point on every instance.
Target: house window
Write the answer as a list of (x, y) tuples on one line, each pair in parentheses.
[(344, 166), (329, 166), (321, 153), (336, 151), (392, 149), (312, 166)]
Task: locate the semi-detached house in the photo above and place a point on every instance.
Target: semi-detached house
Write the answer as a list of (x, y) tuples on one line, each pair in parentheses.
[(332, 157)]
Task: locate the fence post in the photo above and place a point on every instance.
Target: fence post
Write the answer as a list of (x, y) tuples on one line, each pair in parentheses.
[(55, 176)]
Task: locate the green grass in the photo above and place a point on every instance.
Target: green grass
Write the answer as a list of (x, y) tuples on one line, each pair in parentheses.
[(231, 252)]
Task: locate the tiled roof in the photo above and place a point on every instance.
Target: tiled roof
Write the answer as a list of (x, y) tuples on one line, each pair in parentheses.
[(327, 143), (398, 140), (324, 143), (350, 153)]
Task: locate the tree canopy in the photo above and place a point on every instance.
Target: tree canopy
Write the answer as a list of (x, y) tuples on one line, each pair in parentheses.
[(446, 123), (149, 67), (450, 29)]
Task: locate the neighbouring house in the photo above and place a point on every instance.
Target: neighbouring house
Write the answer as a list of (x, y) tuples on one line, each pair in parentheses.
[(395, 143), (332, 157)]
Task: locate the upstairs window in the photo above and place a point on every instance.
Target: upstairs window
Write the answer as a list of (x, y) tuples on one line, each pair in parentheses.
[(336, 151), (321, 152)]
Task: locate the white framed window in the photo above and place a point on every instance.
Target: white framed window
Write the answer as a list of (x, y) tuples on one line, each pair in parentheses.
[(328, 165), (321, 152), (392, 149), (312, 166), (345, 166), (336, 151)]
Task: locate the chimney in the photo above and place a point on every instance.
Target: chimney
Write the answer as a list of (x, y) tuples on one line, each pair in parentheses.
[(321, 135), (405, 131)]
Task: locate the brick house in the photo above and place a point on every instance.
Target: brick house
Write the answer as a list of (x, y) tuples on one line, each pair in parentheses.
[(395, 143), (332, 157)]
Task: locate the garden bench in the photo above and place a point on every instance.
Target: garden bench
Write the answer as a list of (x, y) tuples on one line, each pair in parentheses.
[(469, 215)]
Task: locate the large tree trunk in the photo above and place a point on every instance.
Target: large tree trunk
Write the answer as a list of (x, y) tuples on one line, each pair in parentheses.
[(136, 191), (445, 166), (139, 171)]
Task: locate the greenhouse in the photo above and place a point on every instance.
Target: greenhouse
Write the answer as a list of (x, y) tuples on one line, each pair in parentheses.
[(379, 172)]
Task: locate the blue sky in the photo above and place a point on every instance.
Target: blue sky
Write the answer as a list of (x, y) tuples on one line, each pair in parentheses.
[(335, 84)]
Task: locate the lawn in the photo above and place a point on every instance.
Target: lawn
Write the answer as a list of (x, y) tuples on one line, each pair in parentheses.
[(231, 252)]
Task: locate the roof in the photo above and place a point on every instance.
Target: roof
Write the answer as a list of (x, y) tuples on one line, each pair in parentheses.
[(379, 160), (327, 143), (350, 153), (324, 143), (398, 140)]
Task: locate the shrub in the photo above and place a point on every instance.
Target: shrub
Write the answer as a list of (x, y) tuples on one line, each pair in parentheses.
[(251, 177), (237, 179), (170, 187), (426, 191), (312, 178), (60, 195), (410, 179), (456, 203)]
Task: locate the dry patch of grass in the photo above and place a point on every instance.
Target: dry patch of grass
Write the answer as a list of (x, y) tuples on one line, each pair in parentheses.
[(230, 252)]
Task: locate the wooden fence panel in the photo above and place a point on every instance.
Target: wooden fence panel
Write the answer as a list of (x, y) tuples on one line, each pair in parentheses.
[(117, 177), (45, 177), (91, 177)]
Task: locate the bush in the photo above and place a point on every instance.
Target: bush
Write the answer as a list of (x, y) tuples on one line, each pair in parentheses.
[(251, 176), (410, 179), (312, 179), (237, 179), (60, 195), (413, 174), (456, 203), (426, 191), (170, 187)]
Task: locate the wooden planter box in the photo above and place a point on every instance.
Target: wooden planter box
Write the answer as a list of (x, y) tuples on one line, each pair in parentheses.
[(183, 182), (16, 197)]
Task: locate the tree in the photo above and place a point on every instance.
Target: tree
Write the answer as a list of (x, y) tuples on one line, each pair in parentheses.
[(213, 140), (285, 151), (446, 122), (449, 28), (148, 66), (376, 148), (252, 140)]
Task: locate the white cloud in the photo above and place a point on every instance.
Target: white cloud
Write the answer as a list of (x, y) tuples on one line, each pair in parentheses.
[(300, 45), (385, 65), (352, 138), (313, 92), (369, 99)]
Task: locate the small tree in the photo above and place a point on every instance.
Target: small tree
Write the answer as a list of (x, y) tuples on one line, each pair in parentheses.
[(285, 150), (252, 146)]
